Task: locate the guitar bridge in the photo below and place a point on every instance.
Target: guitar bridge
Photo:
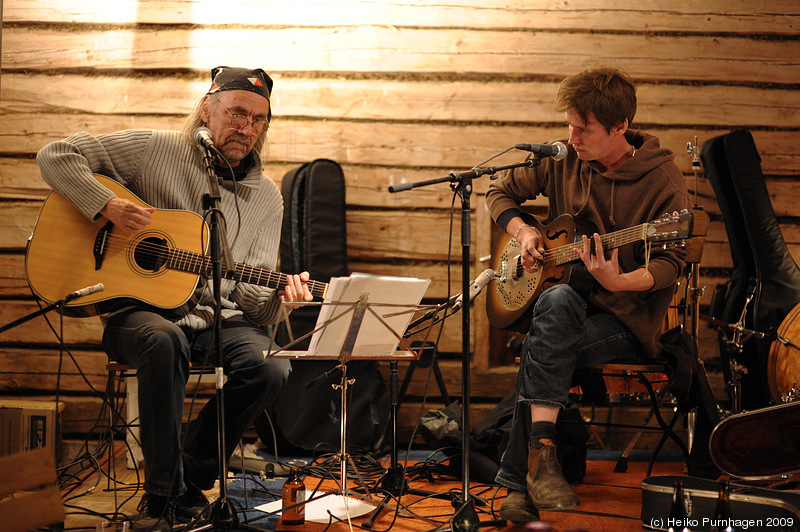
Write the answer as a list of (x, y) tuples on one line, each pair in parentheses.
[(99, 248), (501, 274)]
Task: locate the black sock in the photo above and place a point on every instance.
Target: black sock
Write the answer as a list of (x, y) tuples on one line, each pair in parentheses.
[(541, 431)]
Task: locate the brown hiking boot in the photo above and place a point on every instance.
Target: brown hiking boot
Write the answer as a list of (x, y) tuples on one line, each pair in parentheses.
[(518, 508), (547, 487)]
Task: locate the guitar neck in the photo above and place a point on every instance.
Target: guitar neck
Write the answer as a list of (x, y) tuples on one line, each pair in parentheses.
[(567, 253), (201, 264)]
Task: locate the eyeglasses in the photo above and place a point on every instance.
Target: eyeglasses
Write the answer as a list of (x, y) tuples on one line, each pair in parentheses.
[(239, 121)]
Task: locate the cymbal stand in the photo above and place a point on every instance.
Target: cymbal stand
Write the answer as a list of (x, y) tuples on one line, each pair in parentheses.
[(735, 345), (694, 291)]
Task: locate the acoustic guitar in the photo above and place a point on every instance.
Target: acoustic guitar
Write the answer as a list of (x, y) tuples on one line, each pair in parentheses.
[(515, 290), (164, 266)]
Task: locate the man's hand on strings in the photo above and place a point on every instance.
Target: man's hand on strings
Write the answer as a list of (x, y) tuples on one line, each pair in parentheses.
[(127, 215), (606, 271), (296, 290), (532, 247)]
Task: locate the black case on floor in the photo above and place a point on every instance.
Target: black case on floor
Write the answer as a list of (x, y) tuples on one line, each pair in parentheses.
[(752, 508)]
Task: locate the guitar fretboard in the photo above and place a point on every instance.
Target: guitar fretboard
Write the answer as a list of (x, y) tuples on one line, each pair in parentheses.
[(564, 254), (191, 262)]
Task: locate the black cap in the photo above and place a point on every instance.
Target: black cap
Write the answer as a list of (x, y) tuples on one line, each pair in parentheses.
[(255, 80)]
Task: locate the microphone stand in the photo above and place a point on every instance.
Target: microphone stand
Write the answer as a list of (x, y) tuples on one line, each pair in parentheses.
[(222, 514), (465, 517), (44, 310)]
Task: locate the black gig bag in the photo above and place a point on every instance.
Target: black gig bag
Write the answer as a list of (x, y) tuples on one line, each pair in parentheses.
[(306, 413), (314, 233)]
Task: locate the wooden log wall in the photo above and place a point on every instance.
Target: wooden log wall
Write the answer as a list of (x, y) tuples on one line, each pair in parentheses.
[(400, 90)]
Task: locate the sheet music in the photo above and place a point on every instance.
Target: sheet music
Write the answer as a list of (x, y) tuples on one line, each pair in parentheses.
[(388, 297)]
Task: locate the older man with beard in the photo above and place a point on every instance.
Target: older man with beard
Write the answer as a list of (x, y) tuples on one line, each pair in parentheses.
[(167, 170)]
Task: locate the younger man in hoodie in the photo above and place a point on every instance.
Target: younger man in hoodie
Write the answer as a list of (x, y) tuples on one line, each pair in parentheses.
[(612, 178)]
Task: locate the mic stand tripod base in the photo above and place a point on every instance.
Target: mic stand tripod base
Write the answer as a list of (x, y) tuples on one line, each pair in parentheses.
[(223, 517), (465, 519), (394, 485)]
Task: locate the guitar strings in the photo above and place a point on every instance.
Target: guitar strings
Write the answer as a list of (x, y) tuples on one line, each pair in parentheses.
[(193, 262), (566, 253)]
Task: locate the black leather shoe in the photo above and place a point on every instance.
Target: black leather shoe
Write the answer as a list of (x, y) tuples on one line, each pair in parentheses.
[(155, 514), (518, 508), (192, 505)]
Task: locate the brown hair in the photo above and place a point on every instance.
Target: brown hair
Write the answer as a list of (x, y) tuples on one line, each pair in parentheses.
[(607, 93)]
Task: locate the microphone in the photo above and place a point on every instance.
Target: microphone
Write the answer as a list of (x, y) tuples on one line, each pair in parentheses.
[(475, 288), (457, 301), (556, 150), (202, 136), (83, 292)]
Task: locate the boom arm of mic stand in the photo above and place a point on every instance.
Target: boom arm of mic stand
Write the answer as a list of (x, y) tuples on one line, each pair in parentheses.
[(43, 310), (457, 177)]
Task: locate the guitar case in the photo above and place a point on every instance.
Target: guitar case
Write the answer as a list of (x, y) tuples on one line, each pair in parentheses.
[(307, 411), (763, 268), (313, 234), (761, 444), (752, 508)]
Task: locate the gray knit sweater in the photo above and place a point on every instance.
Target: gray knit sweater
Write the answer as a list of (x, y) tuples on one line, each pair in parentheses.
[(167, 172)]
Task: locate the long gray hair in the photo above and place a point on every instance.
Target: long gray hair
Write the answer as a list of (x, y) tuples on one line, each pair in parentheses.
[(194, 121)]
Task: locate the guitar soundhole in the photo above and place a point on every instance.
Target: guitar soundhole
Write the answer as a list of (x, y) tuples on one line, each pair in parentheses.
[(151, 254)]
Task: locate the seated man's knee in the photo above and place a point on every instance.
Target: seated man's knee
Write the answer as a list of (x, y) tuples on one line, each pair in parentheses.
[(163, 339), (558, 292), (558, 295), (275, 372), (267, 373)]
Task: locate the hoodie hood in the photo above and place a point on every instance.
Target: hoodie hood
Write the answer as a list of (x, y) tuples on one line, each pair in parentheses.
[(649, 156)]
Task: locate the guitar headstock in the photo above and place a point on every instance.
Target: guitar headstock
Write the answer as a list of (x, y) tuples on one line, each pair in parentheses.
[(670, 227)]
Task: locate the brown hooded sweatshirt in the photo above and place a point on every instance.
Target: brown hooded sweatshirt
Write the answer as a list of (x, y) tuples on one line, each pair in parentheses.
[(641, 190)]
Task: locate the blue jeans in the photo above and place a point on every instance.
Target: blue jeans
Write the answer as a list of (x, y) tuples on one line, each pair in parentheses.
[(161, 351), (563, 337)]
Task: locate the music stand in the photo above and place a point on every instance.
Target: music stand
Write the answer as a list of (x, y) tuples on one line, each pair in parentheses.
[(362, 317)]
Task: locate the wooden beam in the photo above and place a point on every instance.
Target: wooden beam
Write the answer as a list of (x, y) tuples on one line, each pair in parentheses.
[(386, 49), (430, 100), (446, 147), (727, 16)]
